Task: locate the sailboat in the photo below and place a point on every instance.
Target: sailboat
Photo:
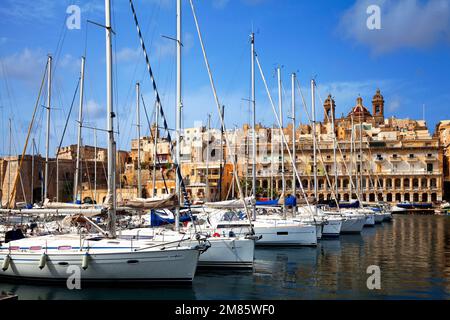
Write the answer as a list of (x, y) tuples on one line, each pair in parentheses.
[(224, 252), (101, 257)]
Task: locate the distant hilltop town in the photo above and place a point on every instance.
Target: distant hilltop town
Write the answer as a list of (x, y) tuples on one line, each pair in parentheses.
[(390, 159)]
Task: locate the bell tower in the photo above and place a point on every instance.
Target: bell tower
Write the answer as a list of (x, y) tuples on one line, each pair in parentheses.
[(378, 107), (329, 108)]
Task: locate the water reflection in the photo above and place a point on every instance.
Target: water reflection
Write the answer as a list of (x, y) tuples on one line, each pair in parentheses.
[(413, 253)]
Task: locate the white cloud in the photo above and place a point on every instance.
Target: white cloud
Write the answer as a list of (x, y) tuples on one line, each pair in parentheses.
[(394, 104), (27, 65), (220, 4), (128, 54), (404, 24), (37, 10), (94, 110)]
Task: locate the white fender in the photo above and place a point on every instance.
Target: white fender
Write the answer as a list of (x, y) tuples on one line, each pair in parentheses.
[(6, 262), (42, 261), (85, 261)]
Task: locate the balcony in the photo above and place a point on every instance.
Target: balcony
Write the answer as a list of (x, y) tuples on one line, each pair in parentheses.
[(395, 158), (430, 158), (379, 159), (412, 158)]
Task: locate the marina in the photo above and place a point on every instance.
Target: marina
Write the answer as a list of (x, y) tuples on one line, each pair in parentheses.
[(335, 269), (348, 207)]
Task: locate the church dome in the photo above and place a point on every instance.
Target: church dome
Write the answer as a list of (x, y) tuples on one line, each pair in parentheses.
[(359, 110)]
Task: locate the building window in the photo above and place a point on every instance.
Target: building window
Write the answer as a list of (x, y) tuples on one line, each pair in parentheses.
[(429, 167)]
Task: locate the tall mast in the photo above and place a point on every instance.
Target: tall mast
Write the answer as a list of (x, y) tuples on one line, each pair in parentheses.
[(95, 165), (333, 129), (110, 124), (280, 109), (47, 140), (313, 111), (271, 163), (360, 157), (221, 154), (32, 172), (138, 127), (80, 125), (294, 164), (351, 161), (178, 113), (155, 149), (10, 158), (207, 157), (253, 100)]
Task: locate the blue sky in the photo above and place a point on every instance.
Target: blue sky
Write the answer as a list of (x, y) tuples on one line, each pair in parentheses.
[(408, 59)]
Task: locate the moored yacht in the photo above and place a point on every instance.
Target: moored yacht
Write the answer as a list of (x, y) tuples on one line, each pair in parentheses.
[(99, 259), (224, 251)]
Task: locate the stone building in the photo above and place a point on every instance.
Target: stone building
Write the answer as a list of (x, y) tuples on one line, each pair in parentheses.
[(377, 158), (30, 182), (443, 132)]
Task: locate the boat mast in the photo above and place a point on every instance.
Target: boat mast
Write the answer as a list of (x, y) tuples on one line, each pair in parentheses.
[(351, 162), (138, 126), (155, 149), (32, 172), (47, 140), (110, 124), (360, 157), (333, 129), (294, 164), (280, 109), (207, 157), (271, 162), (95, 165), (80, 125), (178, 114), (221, 154), (313, 111), (10, 158), (253, 100)]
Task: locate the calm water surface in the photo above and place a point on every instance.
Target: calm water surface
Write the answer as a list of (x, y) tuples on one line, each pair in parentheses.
[(413, 253)]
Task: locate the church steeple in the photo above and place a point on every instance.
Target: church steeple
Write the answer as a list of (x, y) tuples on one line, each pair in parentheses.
[(378, 107), (329, 105)]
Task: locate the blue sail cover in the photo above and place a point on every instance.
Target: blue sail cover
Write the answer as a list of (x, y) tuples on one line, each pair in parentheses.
[(157, 220), (351, 204), (289, 201)]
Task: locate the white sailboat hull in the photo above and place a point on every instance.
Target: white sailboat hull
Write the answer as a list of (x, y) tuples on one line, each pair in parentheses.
[(279, 234), (224, 252), (332, 228), (114, 263), (229, 253), (353, 224), (379, 217), (370, 220)]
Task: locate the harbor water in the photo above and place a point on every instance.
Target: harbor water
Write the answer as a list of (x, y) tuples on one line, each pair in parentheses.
[(412, 252)]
